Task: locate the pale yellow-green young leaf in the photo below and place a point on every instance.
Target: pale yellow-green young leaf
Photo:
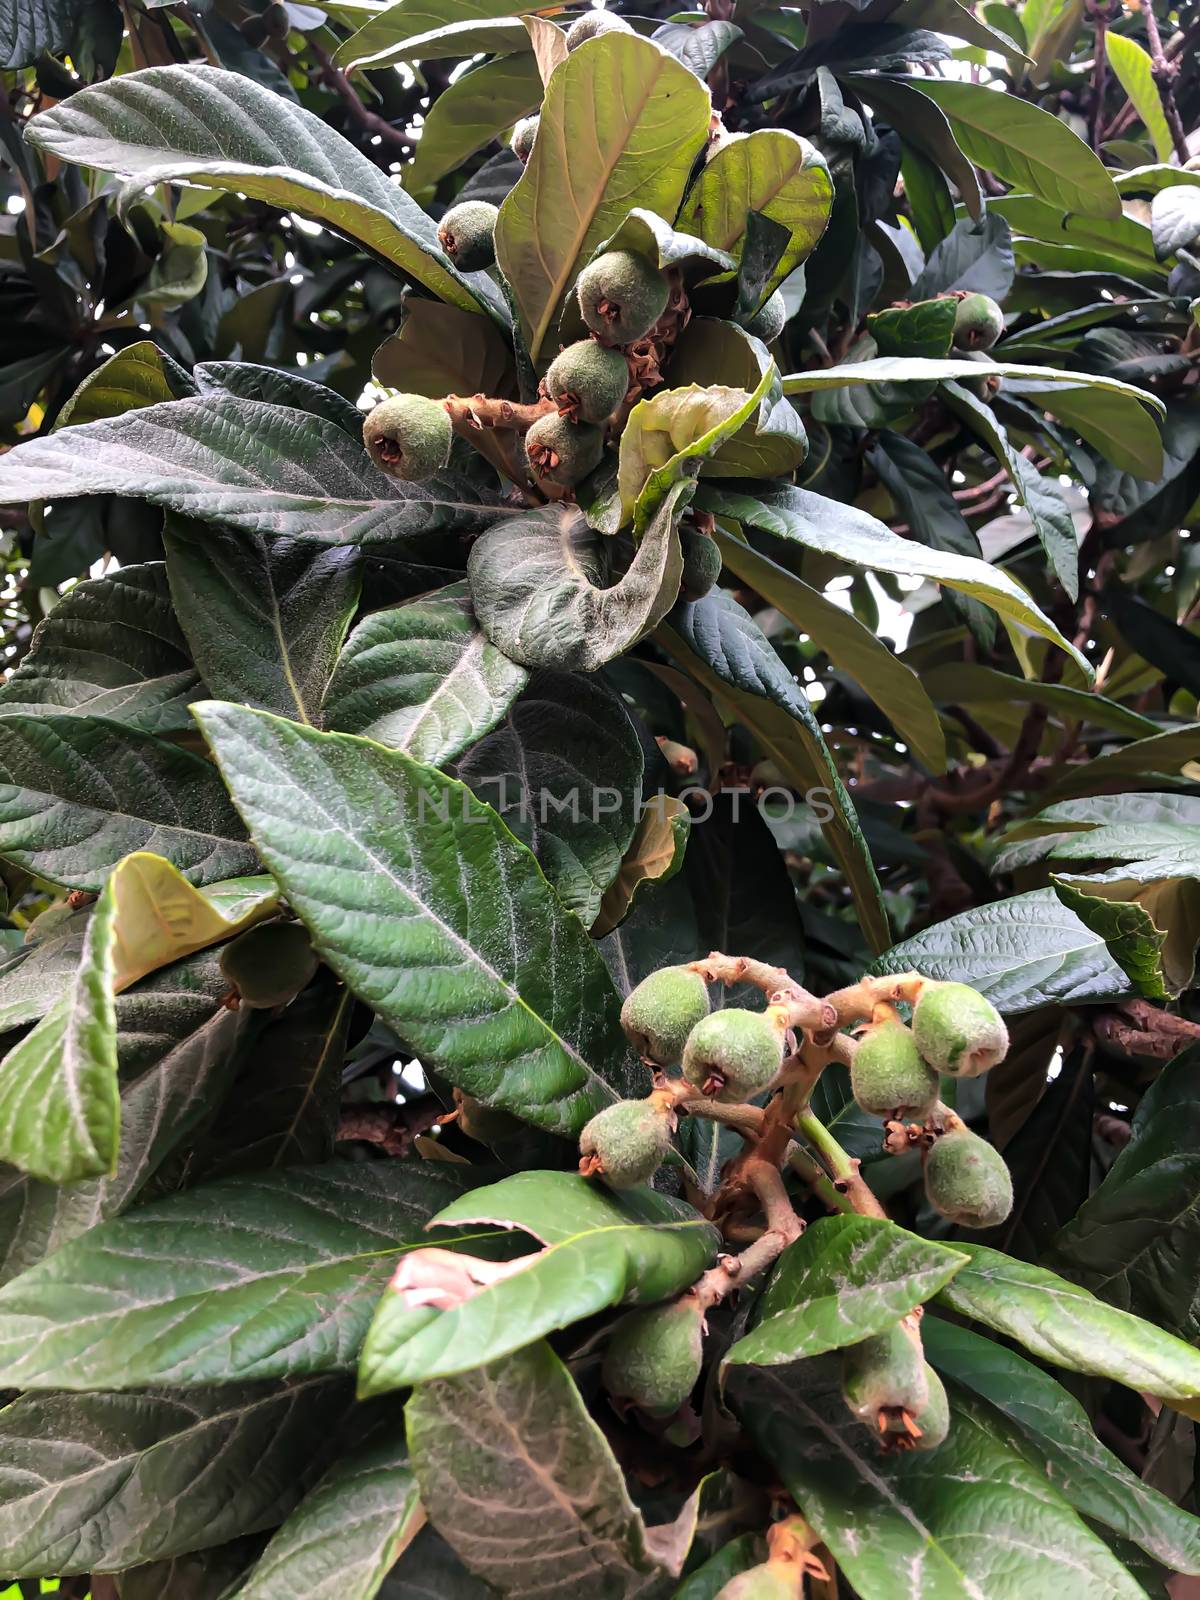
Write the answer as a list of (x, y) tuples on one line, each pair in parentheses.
[(1135, 71), (621, 125), (473, 111), (771, 171), (654, 855)]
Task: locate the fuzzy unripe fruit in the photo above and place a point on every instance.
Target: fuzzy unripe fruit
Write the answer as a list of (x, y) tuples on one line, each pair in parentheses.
[(978, 322), (621, 296), (734, 1054), (934, 1420), (654, 1356), (967, 1180), (768, 321), (660, 1013), (467, 234), (768, 1582), (884, 1384), (625, 1143), (592, 24), (523, 136), (587, 381), (562, 453), (409, 437), (888, 1076), (958, 1030), (701, 563), (269, 965)]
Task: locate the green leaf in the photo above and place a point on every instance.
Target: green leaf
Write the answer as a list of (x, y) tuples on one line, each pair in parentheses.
[(972, 1519), (423, 678), (265, 619), (969, 683), (647, 234), (564, 771), (1054, 1433), (30, 28), (1146, 1203), (1123, 242), (851, 647), (1025, 145), (347, 1532), (420, 899), (667, 436), (599, 1249), (220, 130), (411, 32), (96, 1482), (1135, 72), (726, 652), (621, 120), (1170, 646), (1064, 1324), (1108, 413), (1169, 753), (1042, 497), (279, 1273), (59, 1106), (845, 1280), (81, 793), (175, 1041), (474, 110), (923, 329), (770, 171), (139, 375), (552, 1517), (926, 128), (111, 647), (539, 591), (34, 976), (739, 1555), (248, 464), (855, 536), (1022, 953)]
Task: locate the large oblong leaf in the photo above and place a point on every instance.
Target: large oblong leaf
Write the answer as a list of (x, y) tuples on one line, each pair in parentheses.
[(422, 677), (552, 1517), (474, 110), (1031, 148), (221, 130), (539, 592), (564, 771), (80, 793), (973, 1520), (621, 124), (262, 1276), (347, 1532), (420, 899), (770, 171), (94, 1482), (1067, 1325), (1022, 953), (269, 469), (846, 1279), (599, 1250), (1055, 1433), (111, 647), (265, 617), (861, 539)]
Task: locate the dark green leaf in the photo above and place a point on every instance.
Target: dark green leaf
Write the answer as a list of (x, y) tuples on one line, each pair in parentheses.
[(265, 618), (279, 1273), (553, 1517), (564, 771), (106, 1481), (420, 899), (111, 647), (423, 678)]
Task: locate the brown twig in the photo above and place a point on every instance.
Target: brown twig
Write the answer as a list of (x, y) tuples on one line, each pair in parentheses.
[(369, 122), (783, 1228), (1164, 76), (804, 1010)]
